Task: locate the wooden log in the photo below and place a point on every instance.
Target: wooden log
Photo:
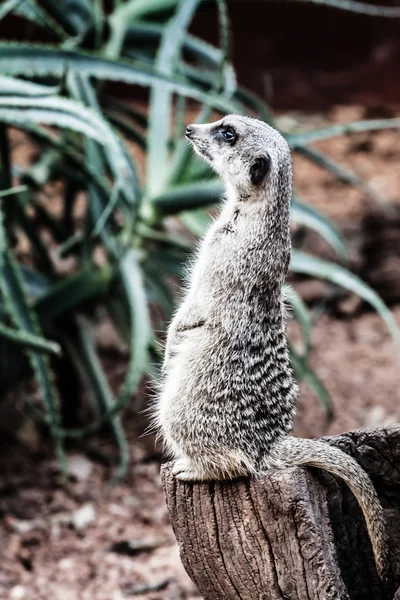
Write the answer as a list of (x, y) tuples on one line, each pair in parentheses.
[(295, 534)]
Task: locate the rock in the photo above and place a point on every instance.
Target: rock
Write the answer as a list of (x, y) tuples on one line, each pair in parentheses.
[(84, 516), (79, 466), (18, 592)]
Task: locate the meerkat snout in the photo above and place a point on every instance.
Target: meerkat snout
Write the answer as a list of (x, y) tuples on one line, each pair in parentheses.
[(189, 130)]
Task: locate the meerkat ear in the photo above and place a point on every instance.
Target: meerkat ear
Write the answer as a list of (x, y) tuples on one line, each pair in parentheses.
[(259, 169)]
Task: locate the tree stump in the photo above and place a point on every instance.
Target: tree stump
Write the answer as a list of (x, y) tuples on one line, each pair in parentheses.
[(295, 534)]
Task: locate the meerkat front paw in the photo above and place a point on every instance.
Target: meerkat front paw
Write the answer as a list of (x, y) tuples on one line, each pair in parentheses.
[(182, 464), (190, 475), (184, 470)]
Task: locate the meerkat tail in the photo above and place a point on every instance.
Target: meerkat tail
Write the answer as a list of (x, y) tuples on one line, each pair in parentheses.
[(293, 451)]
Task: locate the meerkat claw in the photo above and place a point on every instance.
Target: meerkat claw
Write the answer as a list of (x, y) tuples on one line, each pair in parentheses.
[(189, 475)]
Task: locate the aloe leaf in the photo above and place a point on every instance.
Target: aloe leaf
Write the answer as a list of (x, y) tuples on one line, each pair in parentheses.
[(225, 46), (5, 163), (135, 10), (100, 386), (126, 14), (49, 61), (35, 283), (126, 127), (196, 49), (160, 293), (30, 10), (206, 79), (10, 196), (155, 364), (180, 115), (183, 155), (185, 166), (99, 21), (3, 234), (105, 215), (141, 330), (29, 341), (197, 170), (119, 313), (133, 113), (161, 236), (68, 114), (87, 95), (67, 295), (310, 217), (16, 190), (15, 87), (98, 201), (41, 170), (342, 173), (8, 7), (161, 98), (39, 250), (187, 197), (252, 100), (74, 16), (130, 189), (304, 372), (312, 266), (70, 152), (300, 139), (196, 221), (167, 263), (27, 226), (302, 315), (24, 318), (139, 338)]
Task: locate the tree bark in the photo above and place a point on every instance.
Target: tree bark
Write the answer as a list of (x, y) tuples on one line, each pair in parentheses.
[(294, 534)]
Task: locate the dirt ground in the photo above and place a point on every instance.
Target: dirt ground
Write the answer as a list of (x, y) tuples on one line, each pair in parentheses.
[(91, 539)]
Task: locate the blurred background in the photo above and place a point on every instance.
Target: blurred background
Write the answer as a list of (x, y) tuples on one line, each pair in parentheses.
[(102, 202)]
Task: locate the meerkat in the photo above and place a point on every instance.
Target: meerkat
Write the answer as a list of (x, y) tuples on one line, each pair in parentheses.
[(228, 392)]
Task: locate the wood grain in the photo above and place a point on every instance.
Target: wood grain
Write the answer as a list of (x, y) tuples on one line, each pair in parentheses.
[(294, 534)]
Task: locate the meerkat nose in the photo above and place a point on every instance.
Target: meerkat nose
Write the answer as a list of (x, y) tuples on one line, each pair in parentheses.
[(189, 130)]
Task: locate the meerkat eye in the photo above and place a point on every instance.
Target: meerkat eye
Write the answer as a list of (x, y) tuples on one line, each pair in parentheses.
[(228, 134)]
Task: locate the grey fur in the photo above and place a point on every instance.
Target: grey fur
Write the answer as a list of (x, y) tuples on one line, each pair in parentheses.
[(228, 396)]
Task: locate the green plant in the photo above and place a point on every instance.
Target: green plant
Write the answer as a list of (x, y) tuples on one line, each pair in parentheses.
[(122, 251)]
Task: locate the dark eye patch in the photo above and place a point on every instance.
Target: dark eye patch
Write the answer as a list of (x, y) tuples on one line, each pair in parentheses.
[(226, 133)]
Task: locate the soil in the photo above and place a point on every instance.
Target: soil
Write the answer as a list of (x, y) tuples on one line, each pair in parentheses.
[(93, 539)]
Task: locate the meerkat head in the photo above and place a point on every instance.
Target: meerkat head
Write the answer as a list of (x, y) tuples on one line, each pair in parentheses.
[(248, 154)]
